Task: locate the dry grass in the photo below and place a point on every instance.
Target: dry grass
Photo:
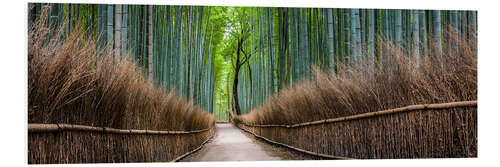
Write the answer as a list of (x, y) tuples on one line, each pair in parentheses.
[(70, 81), (394, 81)]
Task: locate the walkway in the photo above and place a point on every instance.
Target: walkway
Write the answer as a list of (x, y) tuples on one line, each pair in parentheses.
[(231, 144)]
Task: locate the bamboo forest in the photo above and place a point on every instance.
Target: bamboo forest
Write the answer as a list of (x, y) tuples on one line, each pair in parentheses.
[(164, 83)]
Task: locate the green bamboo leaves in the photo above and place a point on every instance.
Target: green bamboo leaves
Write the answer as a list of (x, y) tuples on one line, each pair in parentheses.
[(288, 42), (188, 48), (175, 45)]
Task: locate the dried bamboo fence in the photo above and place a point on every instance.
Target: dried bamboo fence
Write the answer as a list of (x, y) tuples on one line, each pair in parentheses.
[(66, 143), (446, 130)]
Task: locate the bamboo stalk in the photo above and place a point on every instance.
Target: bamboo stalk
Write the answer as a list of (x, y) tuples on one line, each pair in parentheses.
[(409, 108), (47, 128)]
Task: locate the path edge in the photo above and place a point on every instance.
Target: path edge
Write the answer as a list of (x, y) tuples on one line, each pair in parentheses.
[(294, 148), (196, 149)]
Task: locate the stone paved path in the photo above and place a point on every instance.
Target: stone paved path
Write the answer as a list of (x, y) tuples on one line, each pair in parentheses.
[(230, 144)]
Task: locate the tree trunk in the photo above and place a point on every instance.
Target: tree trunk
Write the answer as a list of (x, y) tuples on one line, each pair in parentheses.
[(235, 81)]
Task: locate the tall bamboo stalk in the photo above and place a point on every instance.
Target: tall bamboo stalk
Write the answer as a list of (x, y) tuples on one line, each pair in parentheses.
[(436, 31), (416, 37), (150, 42), (118, 18), (331, 44)]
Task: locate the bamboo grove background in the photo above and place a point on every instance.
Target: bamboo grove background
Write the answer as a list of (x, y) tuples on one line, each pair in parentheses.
[(286, 43), (75, 79), (367, 61), (184, 38), (192, 51)]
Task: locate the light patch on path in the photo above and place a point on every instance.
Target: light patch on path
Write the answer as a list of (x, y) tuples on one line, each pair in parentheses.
[(230, 144)]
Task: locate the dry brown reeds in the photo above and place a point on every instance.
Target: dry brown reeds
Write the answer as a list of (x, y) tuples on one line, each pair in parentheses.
[(394, 80), (70, 81)]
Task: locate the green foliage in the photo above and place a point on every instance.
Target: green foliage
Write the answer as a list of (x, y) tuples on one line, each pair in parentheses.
[(194, 47), (285, 43)]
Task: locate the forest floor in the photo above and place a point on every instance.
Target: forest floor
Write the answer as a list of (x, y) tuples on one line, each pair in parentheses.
[(232, 144)]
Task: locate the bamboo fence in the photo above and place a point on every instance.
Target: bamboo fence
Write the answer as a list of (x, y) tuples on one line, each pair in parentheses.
[(442, 130), (192, 151), (67, 143), (295, 148)]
